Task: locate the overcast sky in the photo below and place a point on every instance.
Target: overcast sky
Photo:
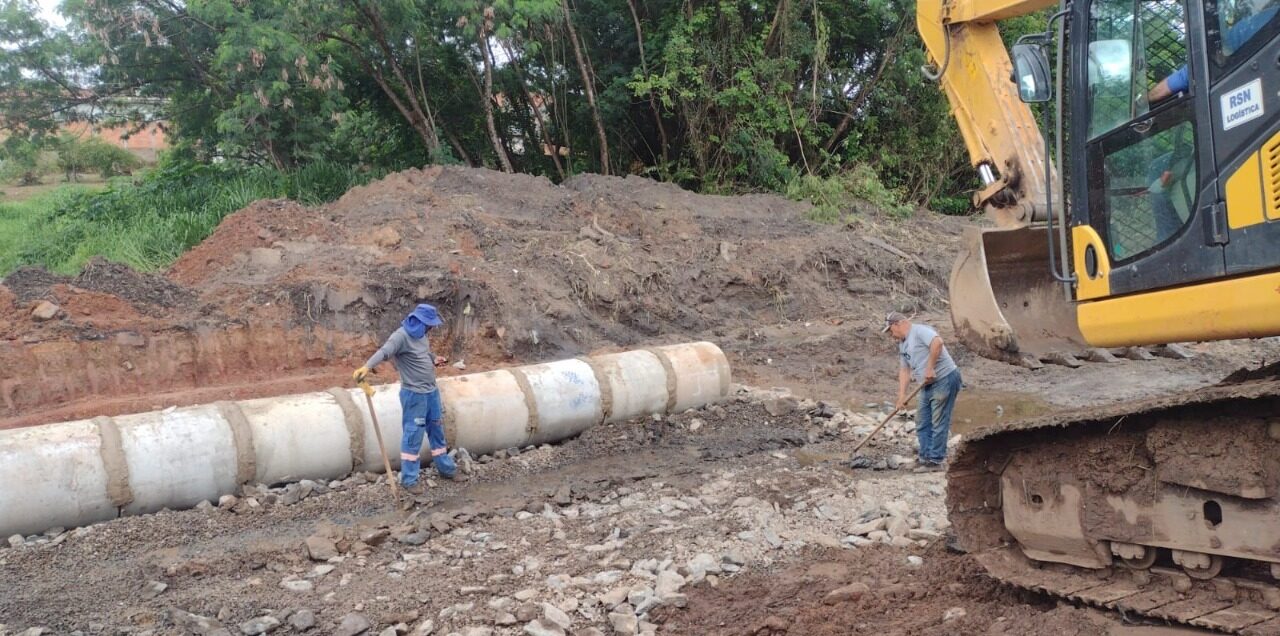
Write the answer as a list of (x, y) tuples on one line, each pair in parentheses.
[(49, 12)]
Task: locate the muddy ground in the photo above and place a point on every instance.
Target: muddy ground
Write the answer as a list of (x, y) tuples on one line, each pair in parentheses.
[(736, 520), (724, 520)]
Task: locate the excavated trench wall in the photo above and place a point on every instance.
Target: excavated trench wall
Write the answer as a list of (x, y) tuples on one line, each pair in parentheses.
[(51, 375), (79, 472)]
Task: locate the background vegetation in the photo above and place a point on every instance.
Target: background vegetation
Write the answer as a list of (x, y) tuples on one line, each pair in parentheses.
[(820, 100)]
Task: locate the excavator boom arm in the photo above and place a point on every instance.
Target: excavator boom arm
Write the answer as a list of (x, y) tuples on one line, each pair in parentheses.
[(1005, 304), (999, 131)]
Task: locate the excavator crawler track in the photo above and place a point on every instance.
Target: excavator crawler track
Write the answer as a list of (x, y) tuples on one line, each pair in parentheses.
[(1167, 508)]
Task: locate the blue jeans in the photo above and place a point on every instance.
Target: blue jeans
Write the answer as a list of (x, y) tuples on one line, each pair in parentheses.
[(422, 415), (933, 419)]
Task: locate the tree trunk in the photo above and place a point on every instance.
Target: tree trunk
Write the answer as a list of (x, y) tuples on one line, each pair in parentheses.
[(644, 68), (457, 146), (487, 98), (418, 124), (418, 118), (559, 101), (422, 92), (541, 121), (276, 159), (865, 91), (589, 86), (773, 42)]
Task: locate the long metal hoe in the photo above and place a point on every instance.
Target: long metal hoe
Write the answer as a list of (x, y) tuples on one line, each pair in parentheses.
[(377, 430), (886, 421)]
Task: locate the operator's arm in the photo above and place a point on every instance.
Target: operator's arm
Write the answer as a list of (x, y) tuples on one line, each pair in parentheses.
[(1159, 91), (935, 350), (1176, 83)]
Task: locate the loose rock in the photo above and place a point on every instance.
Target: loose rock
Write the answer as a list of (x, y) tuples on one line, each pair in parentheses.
[(851, 592), (303, 619), (321, 548), (154, 589), (543, 627), (624, 623), (556, 616), (353, 625), (45, 310), (297, 585), (260, 625), (669, 584), (196, 624)]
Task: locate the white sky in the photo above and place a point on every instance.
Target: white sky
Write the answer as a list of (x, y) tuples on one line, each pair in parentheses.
[(49, 12)]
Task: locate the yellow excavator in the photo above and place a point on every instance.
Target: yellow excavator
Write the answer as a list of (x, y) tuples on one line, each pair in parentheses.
[(1143, 209)]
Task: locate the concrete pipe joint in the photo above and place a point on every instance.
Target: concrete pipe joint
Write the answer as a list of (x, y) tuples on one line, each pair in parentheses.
[(80, 472)]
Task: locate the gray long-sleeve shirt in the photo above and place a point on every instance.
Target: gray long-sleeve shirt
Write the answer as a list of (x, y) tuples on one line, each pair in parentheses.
[(413, 359)]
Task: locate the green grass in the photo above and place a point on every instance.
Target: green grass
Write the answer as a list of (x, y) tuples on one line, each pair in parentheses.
[(148, 222), (23, 221)]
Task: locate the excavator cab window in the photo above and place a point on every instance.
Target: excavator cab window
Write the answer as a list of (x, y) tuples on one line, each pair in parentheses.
[(1149, 180), (1236, 26), (1133, 45), (1142, 144)]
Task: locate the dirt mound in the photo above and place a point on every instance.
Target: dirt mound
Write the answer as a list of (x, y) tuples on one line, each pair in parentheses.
[(28, 284), (101, 275), (235, 239), (553, 270), (521, 268)]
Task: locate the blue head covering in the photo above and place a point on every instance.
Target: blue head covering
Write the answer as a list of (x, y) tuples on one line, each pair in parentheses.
[(422, 318)]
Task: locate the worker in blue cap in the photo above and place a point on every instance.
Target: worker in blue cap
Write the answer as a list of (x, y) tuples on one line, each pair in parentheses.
[(410, 351)]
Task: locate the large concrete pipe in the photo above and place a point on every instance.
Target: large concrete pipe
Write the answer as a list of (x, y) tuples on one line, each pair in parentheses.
[(75, 473)]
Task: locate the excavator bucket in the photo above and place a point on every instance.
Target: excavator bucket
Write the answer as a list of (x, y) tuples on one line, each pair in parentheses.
[(1005, 304)]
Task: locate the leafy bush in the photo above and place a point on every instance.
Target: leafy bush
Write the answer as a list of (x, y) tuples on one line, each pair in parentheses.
[(73, 156), (148, 222), (833, 197), (110, 161), (20, 161), (828, 196), (77, 155), (24, 223)]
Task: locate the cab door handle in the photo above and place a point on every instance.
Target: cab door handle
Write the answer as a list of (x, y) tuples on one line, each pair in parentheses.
[(1142, 125)]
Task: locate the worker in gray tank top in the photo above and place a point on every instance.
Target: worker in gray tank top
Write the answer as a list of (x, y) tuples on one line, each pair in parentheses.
[(924, 358)]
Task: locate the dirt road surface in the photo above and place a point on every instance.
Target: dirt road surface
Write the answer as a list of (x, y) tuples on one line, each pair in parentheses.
[(724, 520), (739, 518)]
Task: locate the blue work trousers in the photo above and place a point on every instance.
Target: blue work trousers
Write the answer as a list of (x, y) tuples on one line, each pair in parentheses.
[(422, 415), (933, 418)]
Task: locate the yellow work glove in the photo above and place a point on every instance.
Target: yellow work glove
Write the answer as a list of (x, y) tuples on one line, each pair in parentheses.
[(360, 375)]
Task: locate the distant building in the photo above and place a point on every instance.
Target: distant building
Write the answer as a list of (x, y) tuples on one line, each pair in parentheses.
[(145, 140), (132, 123)]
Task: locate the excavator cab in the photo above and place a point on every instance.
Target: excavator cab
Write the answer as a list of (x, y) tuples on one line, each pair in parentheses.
[(1165, 120)]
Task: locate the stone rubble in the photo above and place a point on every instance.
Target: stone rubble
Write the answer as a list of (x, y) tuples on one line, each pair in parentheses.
[(596, 558)]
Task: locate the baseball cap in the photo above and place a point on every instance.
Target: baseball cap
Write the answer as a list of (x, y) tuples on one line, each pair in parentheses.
[(891, 318)]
